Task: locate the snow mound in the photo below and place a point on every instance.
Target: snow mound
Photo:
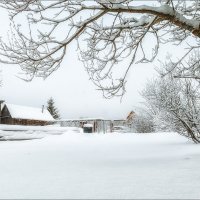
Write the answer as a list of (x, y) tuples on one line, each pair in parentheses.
[(18, 132)]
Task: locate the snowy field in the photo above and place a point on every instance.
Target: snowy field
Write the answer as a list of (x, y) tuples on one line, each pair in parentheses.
[(110, 166)]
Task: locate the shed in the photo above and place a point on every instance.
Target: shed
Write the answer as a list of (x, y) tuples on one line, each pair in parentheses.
[(24, 115), (98, 124)]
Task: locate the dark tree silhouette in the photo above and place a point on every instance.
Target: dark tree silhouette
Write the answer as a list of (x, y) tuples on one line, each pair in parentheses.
[(52, 109)]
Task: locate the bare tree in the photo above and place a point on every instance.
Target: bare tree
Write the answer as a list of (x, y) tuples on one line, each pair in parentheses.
[(107, 31), (143, 121), (177, 103)]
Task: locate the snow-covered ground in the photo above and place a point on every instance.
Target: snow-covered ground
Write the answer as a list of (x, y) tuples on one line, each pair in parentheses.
[(19, 132), (121, 166)]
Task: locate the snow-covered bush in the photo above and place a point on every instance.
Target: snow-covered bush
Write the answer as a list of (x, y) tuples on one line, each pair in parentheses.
[(175, 104), (143, 124)]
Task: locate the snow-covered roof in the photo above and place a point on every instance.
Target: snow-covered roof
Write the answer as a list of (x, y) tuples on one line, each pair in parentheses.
[(82, 118), (88, 125), (26, 112)]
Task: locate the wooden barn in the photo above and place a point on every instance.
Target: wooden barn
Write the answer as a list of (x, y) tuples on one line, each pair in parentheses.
[(98, 124), (24, 115)]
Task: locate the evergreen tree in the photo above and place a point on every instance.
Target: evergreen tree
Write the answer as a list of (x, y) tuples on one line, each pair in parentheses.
[(52, 109)]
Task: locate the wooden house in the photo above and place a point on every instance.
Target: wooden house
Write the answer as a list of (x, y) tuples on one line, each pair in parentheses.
[(119, 122), (24, 115)]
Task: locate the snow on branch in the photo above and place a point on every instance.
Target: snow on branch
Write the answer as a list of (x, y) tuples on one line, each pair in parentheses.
[(108, 33)]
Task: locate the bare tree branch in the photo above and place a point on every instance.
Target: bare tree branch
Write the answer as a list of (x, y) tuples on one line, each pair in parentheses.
[(108, 32)]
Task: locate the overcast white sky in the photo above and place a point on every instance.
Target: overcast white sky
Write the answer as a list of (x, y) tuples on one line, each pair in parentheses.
[(74, 94)]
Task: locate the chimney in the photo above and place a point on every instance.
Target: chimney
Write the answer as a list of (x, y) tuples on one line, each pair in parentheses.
[(42, 108), (1, 101)]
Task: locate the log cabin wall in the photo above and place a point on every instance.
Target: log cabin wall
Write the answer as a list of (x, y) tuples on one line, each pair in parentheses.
[(11, 121), (29, 122)]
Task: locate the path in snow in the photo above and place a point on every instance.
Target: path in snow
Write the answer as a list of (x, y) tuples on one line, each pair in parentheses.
[(75, 165)]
